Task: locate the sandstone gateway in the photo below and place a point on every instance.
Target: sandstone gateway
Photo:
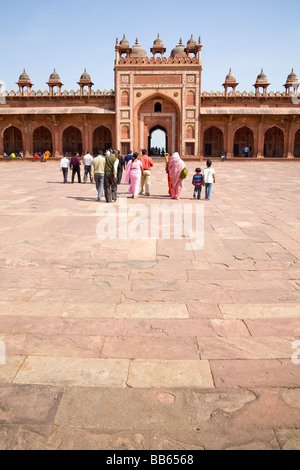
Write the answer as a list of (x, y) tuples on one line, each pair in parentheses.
[(151, 93)]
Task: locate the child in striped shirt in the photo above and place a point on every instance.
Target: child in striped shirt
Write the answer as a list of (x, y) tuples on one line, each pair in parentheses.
[(197, 183)]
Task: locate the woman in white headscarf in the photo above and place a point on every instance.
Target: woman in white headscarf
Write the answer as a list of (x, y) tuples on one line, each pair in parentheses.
[(175, 167)]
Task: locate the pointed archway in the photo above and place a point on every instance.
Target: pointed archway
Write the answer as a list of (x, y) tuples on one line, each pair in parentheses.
[(72, 140), (297, 145), (243, 140), (12, 140), (158, 113), (274, 143), (213, 142), (42, 140), (157, 141), (102, 139)]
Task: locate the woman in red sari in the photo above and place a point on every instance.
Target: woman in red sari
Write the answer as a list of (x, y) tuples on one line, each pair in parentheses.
[(167, 157)]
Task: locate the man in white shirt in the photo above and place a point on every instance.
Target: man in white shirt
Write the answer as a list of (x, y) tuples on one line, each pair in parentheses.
[(87, 163), (64, 167), (209, 179)]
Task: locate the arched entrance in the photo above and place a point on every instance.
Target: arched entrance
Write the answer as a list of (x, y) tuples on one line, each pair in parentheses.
[(157, 113), (297, 145), (213, 142), (102, 139), (157, 141), (274, 143), (42, 140), (243, 139), (12, 140), (72, 140)]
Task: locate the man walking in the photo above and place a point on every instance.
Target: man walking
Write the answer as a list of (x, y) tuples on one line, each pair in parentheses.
[(75, 167), (97, 173), (121, 166), (111, 177), (87, 162), (64, 167), (147, 163), (128, 157)]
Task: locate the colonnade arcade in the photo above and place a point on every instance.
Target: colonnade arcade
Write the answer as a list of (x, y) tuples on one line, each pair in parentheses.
[(270, 141), (216, 140), (58, 140)]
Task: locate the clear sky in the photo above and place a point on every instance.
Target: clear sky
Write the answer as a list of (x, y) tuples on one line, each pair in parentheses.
[(72, 35)]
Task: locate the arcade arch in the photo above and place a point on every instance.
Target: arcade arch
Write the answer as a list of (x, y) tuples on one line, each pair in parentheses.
[(274, 143), (243, 137), (297, 145), (42, 140), (12, 140), (102, 139), (72, 140), (213, 142)]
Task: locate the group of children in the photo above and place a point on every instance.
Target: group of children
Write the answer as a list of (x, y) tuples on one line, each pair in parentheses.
[(206, 179)]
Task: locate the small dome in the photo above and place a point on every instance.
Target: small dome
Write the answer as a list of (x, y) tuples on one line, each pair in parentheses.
[(85, 76), (230, 77), (178, 50), (24, 76), (158, 41), (192, 41), (124, 41), (138, 50), (262, 77), (54, 76), (292, 77)]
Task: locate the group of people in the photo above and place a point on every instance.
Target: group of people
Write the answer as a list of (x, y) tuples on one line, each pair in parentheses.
[(44, 156), (109, 170), (14, 154)]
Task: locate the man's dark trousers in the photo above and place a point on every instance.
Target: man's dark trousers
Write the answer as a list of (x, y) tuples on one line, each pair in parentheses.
[(110, 188)]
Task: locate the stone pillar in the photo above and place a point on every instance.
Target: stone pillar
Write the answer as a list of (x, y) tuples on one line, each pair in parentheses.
[(85, 137), (260, 140), (57, 142), (229, 140), (1, 143), (290, 141), (27, 142)]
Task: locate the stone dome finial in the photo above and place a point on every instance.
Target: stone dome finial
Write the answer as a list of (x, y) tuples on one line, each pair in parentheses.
[(262, 76), (178, 50), (192, 41), (54, 76), (124, 41), (158, 41), (85, 76), (24, 75), (137, 50), (292, 77), (230, 77)]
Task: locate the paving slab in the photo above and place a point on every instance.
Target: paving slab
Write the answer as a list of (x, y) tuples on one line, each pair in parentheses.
[(131, 344)]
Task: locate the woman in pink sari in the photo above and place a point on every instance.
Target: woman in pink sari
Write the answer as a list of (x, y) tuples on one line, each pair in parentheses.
[(133, 174), (175, 167)]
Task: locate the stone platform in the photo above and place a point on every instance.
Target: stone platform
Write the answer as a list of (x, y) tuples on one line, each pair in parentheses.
[(143, 344)]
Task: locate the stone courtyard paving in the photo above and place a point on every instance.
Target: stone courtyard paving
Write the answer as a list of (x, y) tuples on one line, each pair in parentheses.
[(143, 344)]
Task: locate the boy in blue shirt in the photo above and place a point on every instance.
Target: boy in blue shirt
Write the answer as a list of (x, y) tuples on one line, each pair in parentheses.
[(197, 183)]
